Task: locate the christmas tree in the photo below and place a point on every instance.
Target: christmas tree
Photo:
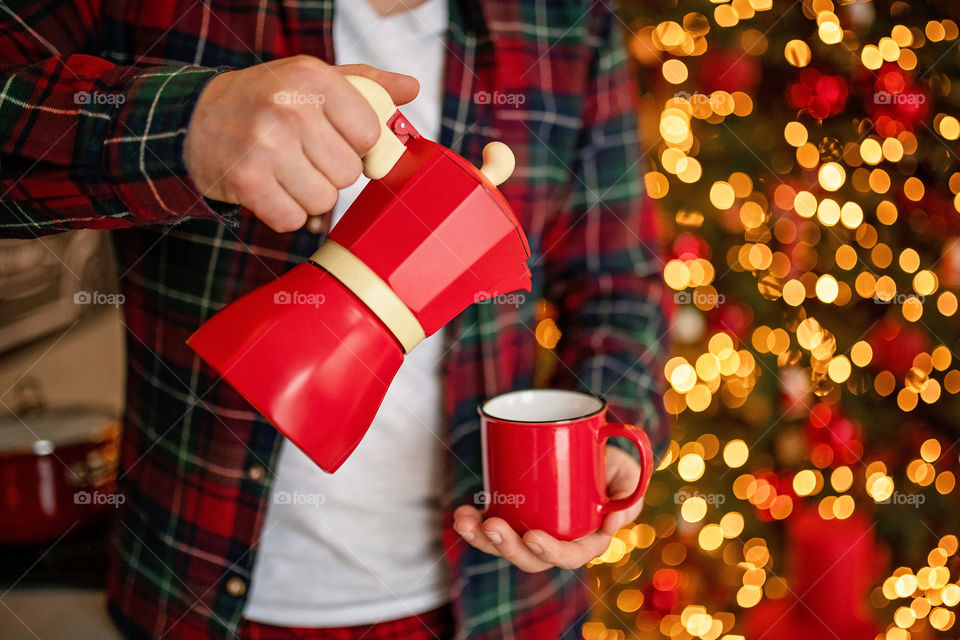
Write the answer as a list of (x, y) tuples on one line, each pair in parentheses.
[(803, 156)]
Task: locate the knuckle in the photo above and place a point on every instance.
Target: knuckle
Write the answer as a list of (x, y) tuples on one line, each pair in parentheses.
[(327, 198), (240, 179), (350, 169), (369, 131), (262, 125), (303, 63), (289, 222)]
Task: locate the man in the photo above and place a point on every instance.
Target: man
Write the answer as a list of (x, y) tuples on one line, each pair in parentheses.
[(159, 117)]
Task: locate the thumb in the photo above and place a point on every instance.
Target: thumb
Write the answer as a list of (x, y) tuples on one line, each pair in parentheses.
[(402, 88), (623, 474)]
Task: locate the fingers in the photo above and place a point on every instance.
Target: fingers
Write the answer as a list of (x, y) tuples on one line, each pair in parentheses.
[(496, 537), (613, 522), (466, 521), (350, 113), (533, 552), (537, 550), (309, 187), (332, 156), (401, 87), (511, 546), (275, 207), (568, 555), (623, 473)]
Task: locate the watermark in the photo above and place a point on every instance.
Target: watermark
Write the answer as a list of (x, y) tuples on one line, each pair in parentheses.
[(98, 98), (911, 99), (909, 499), (697, 98), (296, 98), (898, 298), (499, 98), (295, 297), (486, 498), (300, 498), (714, 499), (99, 297), (99, 498), (702, 299), (512, 299)]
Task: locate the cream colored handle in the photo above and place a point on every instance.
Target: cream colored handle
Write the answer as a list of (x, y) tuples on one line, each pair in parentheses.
[(388, 148), (498, 162)]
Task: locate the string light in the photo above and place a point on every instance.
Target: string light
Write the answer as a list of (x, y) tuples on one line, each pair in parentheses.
[(816, 228)]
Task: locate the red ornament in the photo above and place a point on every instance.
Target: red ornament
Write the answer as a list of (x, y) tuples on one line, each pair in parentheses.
[(831, 566), (895, 345), (663, 593), (688, 246), (821, 95), (933, 215), (828, 425), (770, 488), (728, 71), (731, 317), (896, 103)]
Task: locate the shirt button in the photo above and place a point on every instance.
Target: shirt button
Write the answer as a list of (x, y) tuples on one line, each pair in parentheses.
[(315, 224), (255, 472), (236, 587)]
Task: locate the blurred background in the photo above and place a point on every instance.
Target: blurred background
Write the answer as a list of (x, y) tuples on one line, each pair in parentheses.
[(61, 397), (803, 157)]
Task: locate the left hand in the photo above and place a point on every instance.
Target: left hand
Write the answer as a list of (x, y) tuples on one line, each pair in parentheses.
[(537, 550)]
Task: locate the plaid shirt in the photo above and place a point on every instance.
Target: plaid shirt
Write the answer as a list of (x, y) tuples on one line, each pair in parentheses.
[(95, 98)]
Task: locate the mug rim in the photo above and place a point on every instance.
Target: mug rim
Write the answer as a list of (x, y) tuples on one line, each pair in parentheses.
[(604, 405)]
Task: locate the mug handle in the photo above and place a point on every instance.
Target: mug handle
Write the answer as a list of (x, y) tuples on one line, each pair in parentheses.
[(642, 443)]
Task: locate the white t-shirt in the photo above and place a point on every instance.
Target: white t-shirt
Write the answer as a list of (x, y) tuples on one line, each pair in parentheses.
[(363, 545)]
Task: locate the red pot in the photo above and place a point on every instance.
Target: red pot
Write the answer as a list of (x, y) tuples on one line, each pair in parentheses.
[(57, 473)]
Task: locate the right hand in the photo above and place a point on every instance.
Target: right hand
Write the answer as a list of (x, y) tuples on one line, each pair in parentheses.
[(281, 138)]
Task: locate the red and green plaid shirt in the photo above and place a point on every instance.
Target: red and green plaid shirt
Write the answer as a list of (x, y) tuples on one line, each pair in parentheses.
[(95, 98)]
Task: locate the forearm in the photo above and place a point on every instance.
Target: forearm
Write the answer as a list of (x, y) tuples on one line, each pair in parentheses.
[(84, 142)]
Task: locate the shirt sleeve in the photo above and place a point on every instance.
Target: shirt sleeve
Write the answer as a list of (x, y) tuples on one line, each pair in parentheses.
[(603, 261), (85, 143)]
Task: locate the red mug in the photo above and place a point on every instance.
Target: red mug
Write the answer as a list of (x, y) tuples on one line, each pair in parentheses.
[(544, 461)]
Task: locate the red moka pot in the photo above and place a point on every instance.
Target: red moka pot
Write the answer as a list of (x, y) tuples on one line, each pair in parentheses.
[(315, 350)]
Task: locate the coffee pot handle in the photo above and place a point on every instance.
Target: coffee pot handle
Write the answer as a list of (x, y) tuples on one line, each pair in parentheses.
[(388, 148), (498, 159)]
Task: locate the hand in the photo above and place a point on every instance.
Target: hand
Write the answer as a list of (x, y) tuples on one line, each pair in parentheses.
[(281, 138), (537, 550)]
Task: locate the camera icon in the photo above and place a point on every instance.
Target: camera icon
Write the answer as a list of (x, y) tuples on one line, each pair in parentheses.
[(682, 297), (281, 97), (82, 297), (882, 97), (82, 497), (482, 97), (281, 297), (481, 497), (81, 97), (282, 497)]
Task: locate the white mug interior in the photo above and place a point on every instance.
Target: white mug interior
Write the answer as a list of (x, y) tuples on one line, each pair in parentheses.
[(542, 405)]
